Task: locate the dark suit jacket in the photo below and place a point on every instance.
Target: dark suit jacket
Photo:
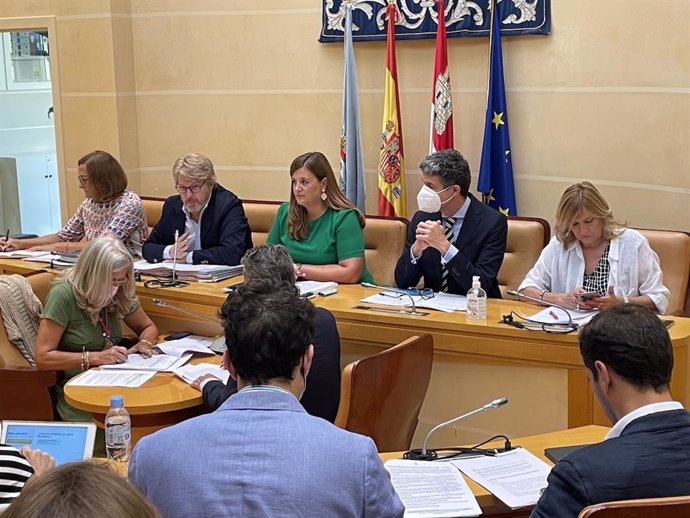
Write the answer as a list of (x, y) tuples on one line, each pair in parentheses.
[(481, 245), (323, 381), (650, 459), (225, 233)]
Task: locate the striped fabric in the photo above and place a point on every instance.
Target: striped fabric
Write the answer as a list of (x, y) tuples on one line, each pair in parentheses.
[(14, 472), (448, 231)]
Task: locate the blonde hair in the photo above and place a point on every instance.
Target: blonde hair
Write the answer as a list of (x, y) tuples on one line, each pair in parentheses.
[(584, 196), (194, 166), (80, 490), (317, 164), (91, 278)]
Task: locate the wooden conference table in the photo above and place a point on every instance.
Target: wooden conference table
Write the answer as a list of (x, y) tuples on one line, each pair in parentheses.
[(536, 444)]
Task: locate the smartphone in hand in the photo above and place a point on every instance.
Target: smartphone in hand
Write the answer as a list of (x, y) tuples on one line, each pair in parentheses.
[(589, 295)]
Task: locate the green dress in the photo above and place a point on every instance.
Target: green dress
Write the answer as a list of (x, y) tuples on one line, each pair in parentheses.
[(61, 307), (333, 237)]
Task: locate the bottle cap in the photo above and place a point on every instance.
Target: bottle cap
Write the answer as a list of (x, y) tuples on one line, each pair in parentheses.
[(117, 401), (475, 281)]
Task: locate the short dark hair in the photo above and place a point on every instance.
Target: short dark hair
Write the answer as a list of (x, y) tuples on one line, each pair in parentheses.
[(633, 342), (106, 175), (269, 268), (450, 166), (267, 334)]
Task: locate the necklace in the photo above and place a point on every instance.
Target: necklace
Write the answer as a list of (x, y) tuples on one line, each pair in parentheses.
[(107, 335)]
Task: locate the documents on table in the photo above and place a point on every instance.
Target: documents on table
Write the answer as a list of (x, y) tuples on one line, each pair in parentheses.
[(188, 344), (157, 362), (515, 477), (111, 378), (431, 489), (22, 254), (554, 315), (446, 302), (194, 272), (313, 287), (191, 372)]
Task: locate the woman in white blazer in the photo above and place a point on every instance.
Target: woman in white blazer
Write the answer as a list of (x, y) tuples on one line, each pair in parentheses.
[(591, 253)]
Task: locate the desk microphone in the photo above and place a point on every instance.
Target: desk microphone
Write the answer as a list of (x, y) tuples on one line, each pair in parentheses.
[(519, 295), (218, 344), (413, 310)]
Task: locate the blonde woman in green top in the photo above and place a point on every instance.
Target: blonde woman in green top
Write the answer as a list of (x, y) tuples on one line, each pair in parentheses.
[(81, 324), (320, 228)]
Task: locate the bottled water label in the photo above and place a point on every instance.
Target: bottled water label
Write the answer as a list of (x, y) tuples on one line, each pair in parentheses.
[(117, 434)]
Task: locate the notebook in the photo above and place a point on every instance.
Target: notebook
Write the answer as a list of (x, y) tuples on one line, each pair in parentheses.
[(67, 442), (556, 454)]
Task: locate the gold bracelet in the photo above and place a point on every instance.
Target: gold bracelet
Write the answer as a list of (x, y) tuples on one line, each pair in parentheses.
[(88, 365), (150, 344), (83, 358)]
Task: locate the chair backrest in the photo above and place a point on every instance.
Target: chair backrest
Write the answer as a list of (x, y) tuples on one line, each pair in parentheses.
[(672, 507), (526, 239), (260, 215), (154, 208), (384, 240), (381, 395), (41, 283), (673, 249)]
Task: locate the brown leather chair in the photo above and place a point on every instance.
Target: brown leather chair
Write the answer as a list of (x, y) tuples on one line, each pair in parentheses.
[(526, 239), (673, 249), (673, 507), (260, 215), (381, 395), (154, 209), (25, 392), (384, 240)]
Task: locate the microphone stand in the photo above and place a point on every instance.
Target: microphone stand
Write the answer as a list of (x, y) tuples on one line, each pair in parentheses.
[(570, 324), (218, 344), (411, 311), (425, 454)]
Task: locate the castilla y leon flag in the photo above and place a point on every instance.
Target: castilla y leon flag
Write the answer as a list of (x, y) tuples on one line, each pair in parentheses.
[(351, 159), (441, 100), (392, 161), (496, 167)]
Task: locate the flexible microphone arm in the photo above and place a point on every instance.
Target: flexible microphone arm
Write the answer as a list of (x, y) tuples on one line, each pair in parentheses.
[(519, 295), (494, 404), (163, 304), (394, 290)]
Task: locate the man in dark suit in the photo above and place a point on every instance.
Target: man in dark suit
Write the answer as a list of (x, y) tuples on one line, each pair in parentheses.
[(208, 219), (454, 236), (628, 356), (267, 269)]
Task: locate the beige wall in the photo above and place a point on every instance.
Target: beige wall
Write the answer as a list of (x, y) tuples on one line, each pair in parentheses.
[(605, 97)]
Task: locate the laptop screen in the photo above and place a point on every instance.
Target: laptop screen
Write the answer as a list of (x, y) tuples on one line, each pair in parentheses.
[(67, 442)]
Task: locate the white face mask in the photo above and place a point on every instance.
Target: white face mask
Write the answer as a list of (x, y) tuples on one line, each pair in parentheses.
[(429, 200), (113, 291)]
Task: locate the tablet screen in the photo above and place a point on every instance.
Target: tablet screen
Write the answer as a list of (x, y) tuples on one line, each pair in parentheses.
[(67, 442)]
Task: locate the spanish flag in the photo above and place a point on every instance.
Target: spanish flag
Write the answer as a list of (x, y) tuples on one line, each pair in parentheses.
[(392, 162)]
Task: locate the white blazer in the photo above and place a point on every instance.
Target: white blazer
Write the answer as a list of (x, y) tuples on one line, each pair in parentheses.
[(634, 268)]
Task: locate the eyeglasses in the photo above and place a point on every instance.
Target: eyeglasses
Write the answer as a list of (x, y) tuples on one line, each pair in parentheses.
[(82, 179), (424, 294), (192, 188)]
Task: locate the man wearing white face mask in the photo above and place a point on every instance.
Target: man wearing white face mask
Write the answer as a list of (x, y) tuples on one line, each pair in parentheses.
[(453, 236)]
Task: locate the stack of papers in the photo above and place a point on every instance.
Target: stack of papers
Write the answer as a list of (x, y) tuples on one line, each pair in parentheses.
[(554, 315), (188, 344), (156, 363), (313, 287), (516, 477), (189, 272), (23, 253), (191, 372), (445, 302), (52, 259), (111, 378), (432, 489)]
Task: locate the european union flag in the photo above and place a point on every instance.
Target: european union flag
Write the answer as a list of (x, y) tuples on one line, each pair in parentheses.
[(496, 168)]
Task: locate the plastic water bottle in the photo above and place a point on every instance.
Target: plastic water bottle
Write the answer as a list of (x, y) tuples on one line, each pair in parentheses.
[(118, 431), (476, 301)]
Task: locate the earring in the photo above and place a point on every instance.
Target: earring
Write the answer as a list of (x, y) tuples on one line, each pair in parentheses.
[(324, 196)]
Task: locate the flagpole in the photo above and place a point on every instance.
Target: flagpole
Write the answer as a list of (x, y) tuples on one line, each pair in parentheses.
[(492, 5)]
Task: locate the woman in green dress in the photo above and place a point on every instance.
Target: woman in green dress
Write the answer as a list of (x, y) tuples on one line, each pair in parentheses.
[(320, 228), (81, 324)]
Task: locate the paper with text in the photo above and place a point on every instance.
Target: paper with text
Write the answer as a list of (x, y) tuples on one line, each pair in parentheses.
[(446, 302), (112, 378), (432, 490), (516, 477), (157, 362), (188, 344)]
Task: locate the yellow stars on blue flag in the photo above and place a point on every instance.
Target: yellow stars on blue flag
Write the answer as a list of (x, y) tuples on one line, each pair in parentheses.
[(497, 120)]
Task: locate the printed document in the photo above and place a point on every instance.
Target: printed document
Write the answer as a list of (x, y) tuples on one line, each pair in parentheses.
[(554, 315), (157, 363), (191, 372), (516, 477), (446, 302), (309, 287), (189, 344), (112, 378), (431, 489)]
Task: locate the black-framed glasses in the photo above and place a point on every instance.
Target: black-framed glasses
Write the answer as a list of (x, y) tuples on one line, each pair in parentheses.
[(192, 188), (82, 179), (425, 293)]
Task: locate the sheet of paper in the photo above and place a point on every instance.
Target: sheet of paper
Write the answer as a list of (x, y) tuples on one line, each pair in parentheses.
[(43, 257), (191, 372), (440, 301), (191, 344), (516, 477), (112, 378), (142, 265), (432, 490), (23, 253), (554, 315), (157, 362), (306, 287)]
